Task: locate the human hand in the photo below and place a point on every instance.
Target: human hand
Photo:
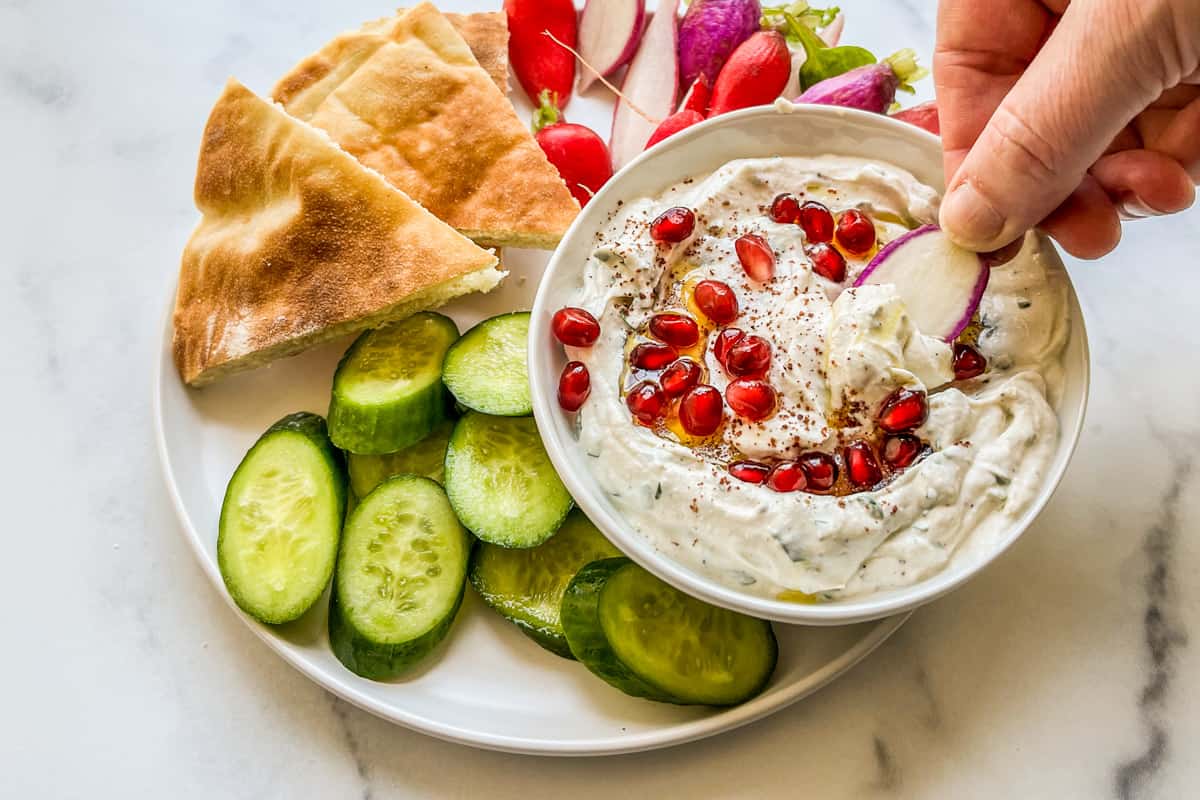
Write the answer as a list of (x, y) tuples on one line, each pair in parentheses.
[(1066, 115)]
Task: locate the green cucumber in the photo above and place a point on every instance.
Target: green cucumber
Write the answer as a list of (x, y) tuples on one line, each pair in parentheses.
[(651, 640), (501, 482), (487, 370), (281, 519), (427, 457), (387, 391), (401, 572), (527, 586)]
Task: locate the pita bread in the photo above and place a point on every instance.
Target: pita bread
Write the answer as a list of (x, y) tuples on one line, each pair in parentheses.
[(422, 112), (299, 244)]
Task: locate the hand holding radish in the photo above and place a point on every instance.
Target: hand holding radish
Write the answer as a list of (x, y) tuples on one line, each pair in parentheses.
[(1067, 116)]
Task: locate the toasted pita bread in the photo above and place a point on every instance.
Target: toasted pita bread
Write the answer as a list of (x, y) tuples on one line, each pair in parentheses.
[(422, 112), (299, 244)]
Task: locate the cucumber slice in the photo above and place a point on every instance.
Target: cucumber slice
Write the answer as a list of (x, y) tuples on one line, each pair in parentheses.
[(427, 458), (401, 572), (486, 370), (501, 482), (281, 519), (527, 586), (387, 391), (650, 640)]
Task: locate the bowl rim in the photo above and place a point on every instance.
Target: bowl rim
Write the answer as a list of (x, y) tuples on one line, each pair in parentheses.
[(617, 529)]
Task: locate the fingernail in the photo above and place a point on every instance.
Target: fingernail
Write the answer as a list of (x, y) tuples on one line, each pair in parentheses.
[(1133, 207), (970, 218)]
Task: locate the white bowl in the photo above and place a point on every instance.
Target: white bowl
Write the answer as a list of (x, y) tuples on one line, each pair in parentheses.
[(762, 132)]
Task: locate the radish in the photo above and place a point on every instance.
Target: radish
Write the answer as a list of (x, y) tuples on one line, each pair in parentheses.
[(832, 33), (578, 153), (871, 87), (609, 32), (710, 31), (673, 124), (923, 116), (754, 75), (537, 61), (651, 86), (941, 283), (697, 97)]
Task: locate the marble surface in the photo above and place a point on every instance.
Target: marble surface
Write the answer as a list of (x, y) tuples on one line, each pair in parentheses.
[(1063, 671)]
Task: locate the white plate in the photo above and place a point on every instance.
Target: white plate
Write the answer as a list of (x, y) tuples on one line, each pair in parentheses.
[(488, 685)]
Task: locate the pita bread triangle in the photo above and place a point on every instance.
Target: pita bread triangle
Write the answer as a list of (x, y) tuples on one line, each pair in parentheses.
[(422, 112), (300, 244)]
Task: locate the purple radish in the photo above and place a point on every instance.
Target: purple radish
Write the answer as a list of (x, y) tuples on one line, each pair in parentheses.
[(609, 32), (651, 85), (940, 283), (870, 88), (710, 31)]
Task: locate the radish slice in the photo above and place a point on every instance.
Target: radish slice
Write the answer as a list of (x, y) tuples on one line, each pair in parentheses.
[(609, 32), (941, 283), (651, 84)]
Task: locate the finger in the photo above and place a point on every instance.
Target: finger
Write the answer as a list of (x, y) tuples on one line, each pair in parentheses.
[(1180, 139), (1086, 224), (1055, 123), (1144, 183)]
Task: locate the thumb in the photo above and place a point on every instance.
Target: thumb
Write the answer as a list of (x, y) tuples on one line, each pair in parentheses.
[(1056, 122)]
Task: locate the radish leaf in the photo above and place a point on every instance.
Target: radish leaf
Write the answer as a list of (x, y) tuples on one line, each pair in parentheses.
[(824, 62)]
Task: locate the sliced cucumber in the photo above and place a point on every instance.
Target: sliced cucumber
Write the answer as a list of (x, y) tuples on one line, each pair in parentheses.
[(486, 370), (650, 640), (387, 391), (527, 586), (427, 457), (501, 482), (281, 519), (401, 572)]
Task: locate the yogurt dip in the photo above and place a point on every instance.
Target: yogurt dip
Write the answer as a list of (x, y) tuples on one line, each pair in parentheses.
[(838, 357)]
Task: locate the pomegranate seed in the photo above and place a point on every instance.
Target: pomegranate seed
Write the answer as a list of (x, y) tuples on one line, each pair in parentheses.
[(726, 339), (701, 411), (750, 399), (647, 403), (748, 356), (652, 355), (787, 477), (820, 469), (574, 386), (680, 377), (817, 222), (901, 449), (749, 471), (785, 209), (678, 330), (575, 327), (673, 225), (856, 232), (717, 301), (757, 257), (861, 465), (968, 362), (904, 410), (828, 262)]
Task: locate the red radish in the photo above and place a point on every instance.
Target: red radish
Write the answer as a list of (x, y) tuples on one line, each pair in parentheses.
[(540, 64), (651, 85), (647, 403), (701, 411), (717, 301), (923, 116), (751, 399), (578, 153), (652, 355), (754, 75), (575, 327), (749, 356), (904, 410), (574, 386), (817, 222), (968, 362), (785, 209), (673, 225), (941, 283), (677, 330), (697, 96), (870, 88), (725, 340), (856, 232), (861, 465), (820, 469), (901, 450), (749, 471), (680, 120), (609, 32), (757, 257), (787, 477), (827, 262), (680, 377)]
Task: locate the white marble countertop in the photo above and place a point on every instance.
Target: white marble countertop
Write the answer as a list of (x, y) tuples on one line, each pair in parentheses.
[(1063, 671)]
